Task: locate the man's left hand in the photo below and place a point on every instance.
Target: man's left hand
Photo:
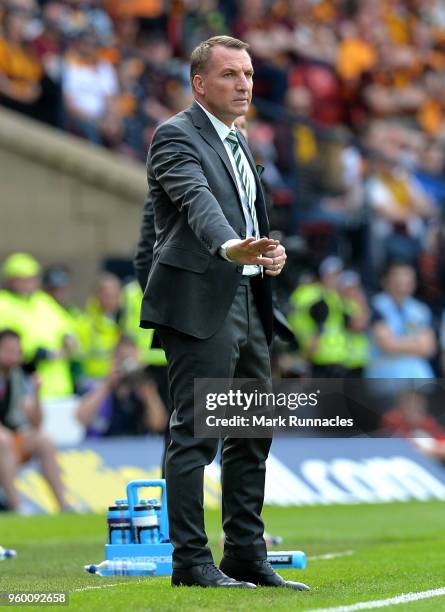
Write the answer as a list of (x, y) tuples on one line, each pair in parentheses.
[(279, 259)]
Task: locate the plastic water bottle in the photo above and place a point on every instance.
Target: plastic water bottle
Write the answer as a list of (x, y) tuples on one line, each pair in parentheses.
[(287, 558), (142, 522), (151, 535), (7, 553), (122, 567), (156, 512), (119, 523)]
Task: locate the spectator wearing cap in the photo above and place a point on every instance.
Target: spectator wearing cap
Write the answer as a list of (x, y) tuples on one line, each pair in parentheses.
[(318, 322), (356, 321), (57, 282), (41, 323), (402, 337)]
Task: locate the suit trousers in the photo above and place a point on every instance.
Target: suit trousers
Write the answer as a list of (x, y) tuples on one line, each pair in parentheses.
[(237, 350)]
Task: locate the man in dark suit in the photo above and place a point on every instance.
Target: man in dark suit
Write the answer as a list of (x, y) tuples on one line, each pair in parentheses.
[(208, 295)]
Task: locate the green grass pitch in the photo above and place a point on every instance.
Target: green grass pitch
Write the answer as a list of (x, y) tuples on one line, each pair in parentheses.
[(397, 548)]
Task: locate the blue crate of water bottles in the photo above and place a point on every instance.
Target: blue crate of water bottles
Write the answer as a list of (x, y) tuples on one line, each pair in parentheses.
[(138, 528)]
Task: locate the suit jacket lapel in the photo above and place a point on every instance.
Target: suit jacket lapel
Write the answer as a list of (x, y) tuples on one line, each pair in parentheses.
[(209, 134)]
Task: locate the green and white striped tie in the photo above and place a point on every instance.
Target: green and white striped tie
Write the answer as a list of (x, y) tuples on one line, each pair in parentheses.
[(232, 139)]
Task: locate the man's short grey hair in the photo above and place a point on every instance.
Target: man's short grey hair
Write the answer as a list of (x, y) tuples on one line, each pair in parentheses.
[(201, 55)]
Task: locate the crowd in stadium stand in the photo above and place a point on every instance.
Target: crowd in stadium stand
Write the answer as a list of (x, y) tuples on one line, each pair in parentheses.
[(348, 120), (348, 116), (21, 435)]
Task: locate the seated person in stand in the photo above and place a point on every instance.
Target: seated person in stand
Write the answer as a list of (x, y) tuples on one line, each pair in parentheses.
[(20, 418), (410, 419)]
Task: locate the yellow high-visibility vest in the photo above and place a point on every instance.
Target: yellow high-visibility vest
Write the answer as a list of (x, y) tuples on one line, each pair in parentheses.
[(41, 323), (98, 336), (130, 326), (331, 346)]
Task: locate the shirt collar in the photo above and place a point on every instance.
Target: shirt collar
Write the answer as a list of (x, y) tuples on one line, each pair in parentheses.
[(221, 128)]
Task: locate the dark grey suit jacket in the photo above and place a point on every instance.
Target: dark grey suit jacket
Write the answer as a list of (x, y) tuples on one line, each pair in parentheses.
[(193, 208)]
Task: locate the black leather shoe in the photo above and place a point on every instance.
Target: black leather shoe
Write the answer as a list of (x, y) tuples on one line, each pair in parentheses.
[(258, 572), (206, 575)]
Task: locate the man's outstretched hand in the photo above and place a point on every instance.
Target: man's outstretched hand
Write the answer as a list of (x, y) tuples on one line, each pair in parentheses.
[(264, 252)]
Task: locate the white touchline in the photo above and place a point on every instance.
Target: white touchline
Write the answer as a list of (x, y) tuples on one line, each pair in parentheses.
[(328, 556), (90, 588), (383, 603), (104, 586)]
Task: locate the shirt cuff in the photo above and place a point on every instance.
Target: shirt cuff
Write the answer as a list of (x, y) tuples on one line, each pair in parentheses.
[(223, 249)]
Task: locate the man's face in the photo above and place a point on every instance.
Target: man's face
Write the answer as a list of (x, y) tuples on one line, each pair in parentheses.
[(330, 280), (10, 353), (401, 281), (24, 285), (109, 295), (60, 294), (225, 89)]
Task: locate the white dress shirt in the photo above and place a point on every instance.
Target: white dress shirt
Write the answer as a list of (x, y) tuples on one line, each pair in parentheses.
[(223, 131)]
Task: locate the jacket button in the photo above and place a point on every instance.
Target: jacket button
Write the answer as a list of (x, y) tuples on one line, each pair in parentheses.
[(239, 268)]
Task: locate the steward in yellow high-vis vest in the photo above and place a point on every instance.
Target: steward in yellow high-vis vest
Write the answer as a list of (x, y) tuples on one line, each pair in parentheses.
[(41, 323), (99, 327), (57, 282), (299, 318), (318, 321)]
